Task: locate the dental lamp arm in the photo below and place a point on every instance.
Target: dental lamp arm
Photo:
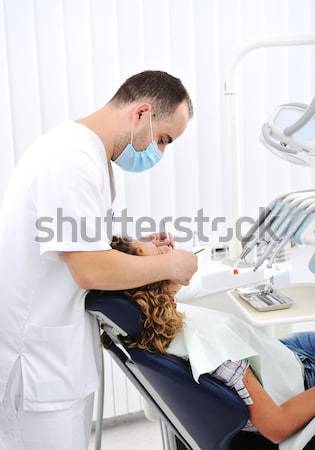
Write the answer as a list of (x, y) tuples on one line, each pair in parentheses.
[(310, 111)]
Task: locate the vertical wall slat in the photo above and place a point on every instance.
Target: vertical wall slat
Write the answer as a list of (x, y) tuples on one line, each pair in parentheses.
[(298, 79), (7, 148), (52, 65), (252, 95), (23, 74), (208, 103), (79, 57)]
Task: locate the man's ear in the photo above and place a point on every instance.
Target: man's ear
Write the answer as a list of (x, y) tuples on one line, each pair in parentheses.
[(140, 111)]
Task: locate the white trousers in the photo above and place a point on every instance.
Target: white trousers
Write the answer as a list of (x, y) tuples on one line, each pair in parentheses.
[(67, 429)]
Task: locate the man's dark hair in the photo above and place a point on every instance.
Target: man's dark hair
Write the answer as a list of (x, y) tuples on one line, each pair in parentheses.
[(165, 91)]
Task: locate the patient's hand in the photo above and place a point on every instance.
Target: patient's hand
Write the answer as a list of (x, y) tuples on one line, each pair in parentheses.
[(162, 238)]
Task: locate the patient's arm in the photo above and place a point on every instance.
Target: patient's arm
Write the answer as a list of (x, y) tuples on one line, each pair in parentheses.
[(276, 422)]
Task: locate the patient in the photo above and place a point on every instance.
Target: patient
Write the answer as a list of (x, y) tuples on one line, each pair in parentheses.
[(163, 329)]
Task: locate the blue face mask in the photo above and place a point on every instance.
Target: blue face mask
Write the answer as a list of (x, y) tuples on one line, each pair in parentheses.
[(132, 160)]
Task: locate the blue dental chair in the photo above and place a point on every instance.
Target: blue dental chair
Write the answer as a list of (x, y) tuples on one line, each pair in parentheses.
[(205, 416)]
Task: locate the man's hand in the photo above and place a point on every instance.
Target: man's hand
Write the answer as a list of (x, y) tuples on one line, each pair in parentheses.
[(161, 238), (113, 270), (184, 264)]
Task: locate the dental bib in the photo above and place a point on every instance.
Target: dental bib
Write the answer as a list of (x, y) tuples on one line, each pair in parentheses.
[(210, 337)]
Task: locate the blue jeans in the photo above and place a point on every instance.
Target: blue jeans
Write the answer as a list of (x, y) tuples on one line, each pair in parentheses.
[(303, 343)]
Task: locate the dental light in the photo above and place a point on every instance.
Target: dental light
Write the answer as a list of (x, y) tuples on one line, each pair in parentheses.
[(290, 133)]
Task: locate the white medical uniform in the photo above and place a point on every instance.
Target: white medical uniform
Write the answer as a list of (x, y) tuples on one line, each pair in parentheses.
[(44, 330), (209, 338)]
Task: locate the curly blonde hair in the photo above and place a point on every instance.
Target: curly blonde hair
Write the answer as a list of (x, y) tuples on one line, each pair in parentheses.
[(157, 302)]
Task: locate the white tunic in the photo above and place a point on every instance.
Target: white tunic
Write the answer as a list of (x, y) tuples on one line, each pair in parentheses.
[(210, 337), (42, 316)]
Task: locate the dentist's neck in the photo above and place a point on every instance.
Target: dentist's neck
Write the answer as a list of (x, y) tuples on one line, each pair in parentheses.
[(107, 123)]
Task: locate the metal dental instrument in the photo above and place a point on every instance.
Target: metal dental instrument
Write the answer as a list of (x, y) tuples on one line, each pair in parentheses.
[(200, 250), (260, 227), (275, 231), (167, 234), (285, 232), (289, 211), (298, 207), (302, 213), (263, 215), (258, 231), (264, 297), (276, 206), (270, 247), (279, 235), (169, 238), (290, 233)]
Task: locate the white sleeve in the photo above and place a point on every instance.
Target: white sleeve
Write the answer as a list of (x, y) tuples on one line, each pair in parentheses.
[(73, 211)]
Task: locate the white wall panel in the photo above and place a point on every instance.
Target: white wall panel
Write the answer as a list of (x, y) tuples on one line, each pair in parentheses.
[(52, 62), (7, 148), (23, 73)]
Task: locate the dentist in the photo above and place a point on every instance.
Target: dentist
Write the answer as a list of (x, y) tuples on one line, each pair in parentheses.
[(54, 245)]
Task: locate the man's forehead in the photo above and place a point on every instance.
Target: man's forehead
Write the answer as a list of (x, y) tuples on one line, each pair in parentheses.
[(175, 124)]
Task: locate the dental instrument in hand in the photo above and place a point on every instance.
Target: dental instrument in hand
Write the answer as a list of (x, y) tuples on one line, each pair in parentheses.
[(169, 238), (200, 250), (167, 234)]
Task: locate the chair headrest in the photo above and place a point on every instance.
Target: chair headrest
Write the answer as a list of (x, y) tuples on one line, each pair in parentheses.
[(119, 308)]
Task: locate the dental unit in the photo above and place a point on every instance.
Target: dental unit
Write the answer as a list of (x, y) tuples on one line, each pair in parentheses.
[(290, 217), (289, 132)]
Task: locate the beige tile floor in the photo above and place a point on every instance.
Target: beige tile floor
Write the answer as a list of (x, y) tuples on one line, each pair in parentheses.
[(135, 434)]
